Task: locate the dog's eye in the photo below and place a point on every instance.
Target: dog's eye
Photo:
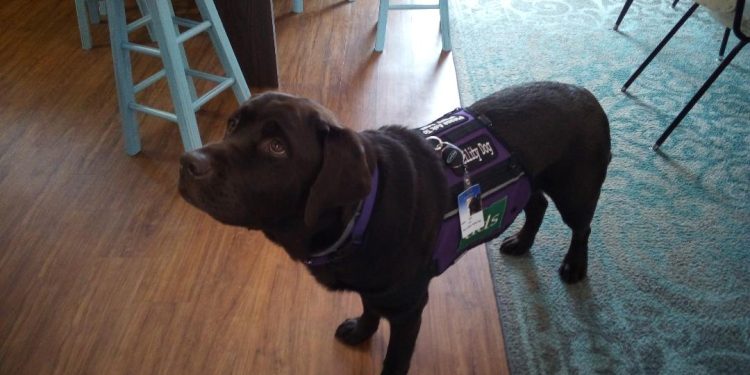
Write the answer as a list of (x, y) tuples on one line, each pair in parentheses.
[(232, 125), (274, 147)]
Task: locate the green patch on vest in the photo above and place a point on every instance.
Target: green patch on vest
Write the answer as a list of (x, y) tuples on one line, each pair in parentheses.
[(493, 218)]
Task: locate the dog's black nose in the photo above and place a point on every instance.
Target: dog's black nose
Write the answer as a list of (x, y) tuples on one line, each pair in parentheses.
[(196, 164)]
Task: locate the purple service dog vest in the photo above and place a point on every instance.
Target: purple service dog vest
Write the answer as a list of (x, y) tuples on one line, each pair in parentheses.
[(504, 185)]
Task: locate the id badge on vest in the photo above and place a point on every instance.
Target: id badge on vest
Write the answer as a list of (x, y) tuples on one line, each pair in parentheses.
[(470, 212)]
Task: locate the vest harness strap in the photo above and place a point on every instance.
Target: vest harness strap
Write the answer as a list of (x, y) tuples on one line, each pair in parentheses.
[(504, 185)]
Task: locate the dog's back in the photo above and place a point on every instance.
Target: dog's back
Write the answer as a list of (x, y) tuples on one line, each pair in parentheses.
[(549, 124)]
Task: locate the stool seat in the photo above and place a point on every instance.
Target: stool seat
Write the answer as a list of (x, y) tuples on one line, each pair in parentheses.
[(165, 28)]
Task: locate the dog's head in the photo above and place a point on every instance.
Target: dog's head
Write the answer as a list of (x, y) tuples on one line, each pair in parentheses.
[(282, 157)]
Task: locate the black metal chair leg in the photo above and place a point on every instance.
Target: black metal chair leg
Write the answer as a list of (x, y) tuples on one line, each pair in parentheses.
[(659, 47), (674, 4), (622, 13), (699, 94), (724, 43)]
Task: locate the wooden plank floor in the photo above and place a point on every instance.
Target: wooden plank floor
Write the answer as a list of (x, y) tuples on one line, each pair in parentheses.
[(105, 270)]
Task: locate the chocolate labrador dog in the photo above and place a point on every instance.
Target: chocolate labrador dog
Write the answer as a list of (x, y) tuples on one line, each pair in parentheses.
[(288, 168)]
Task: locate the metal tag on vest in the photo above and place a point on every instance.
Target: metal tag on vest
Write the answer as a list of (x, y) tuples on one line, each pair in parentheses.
[(453, 157)]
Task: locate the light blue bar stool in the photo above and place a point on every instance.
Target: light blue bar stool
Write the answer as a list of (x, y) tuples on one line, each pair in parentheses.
[(385, 6), (165, 27)]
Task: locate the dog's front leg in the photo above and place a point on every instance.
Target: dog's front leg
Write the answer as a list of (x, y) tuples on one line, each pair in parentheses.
[(404, 331), (357, 330)]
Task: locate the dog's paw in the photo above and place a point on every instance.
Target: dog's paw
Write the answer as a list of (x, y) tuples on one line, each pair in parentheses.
[(393, 368), (394, 372), (571, 272), (353, 332), (513, 246)]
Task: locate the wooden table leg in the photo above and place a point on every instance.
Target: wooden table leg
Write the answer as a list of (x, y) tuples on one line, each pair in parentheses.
[(250, 27)]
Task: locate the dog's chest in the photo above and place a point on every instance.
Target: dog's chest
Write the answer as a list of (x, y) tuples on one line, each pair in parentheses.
[(483, 160)]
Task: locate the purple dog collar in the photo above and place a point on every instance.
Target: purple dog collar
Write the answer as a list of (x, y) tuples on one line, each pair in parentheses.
[(354, 232)]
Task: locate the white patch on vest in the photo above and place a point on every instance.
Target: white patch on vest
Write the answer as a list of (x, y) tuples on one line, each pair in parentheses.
[(442, 123), (476, 152)]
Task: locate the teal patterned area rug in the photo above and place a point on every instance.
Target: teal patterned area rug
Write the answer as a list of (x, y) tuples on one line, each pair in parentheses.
[(669, 262)]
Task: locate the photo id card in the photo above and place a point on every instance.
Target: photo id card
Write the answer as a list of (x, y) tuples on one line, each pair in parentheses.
[(470, 211)]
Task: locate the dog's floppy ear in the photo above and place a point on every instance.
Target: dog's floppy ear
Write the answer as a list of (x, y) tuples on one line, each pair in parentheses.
[(344, 176)]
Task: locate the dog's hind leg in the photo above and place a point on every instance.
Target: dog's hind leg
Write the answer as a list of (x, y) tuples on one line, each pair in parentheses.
[(358, 330), (575, 264), (521, 242), (577, 202)]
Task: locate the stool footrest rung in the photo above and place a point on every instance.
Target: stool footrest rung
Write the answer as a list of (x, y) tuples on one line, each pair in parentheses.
[(137, 24), (149, 81), (140, 48), (153, 111), (193, 31), (204, 75), (186, 22), (210, 94)]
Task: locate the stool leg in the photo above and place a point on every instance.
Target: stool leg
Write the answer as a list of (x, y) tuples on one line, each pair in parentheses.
[(445, 25), (698, 94), (659, 47), (143, 7), (191, 83), (297, 6), (83, 23), (724, 41), (145, 10), (224, 49), (123, 75), (93, 7), (624, 10), (382, 21), (174, 64)]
